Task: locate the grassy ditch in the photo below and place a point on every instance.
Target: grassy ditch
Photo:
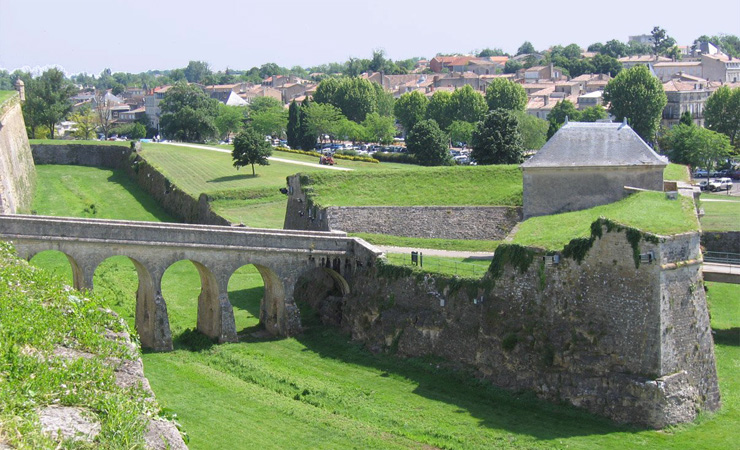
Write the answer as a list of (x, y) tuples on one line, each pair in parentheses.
[(721, 213), (38, 316)]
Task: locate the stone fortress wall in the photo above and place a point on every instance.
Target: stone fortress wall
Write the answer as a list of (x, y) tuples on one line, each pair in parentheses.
[(625, 339), (17, 172), (442, 222)]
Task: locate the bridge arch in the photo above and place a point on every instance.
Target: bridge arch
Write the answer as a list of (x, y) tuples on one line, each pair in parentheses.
[(55, 260), (322, 289)]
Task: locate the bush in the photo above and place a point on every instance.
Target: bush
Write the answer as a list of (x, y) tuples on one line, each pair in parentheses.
[(402, 158), (336, 155)]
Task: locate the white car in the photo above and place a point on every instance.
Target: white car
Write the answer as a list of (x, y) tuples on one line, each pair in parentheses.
[(720, 184)]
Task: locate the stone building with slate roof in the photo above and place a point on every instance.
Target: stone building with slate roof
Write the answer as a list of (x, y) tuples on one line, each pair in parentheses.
[(588, 164)]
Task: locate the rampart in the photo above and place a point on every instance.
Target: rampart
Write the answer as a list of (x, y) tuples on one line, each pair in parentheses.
[(443, 222), (721, 241), (174, 200), (17, 172), (625, 333)]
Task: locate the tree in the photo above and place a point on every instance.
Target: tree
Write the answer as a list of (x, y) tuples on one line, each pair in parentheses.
[(512, 66), (47, 99), (322, 119), (356, 98), (250, 148), (661, 41), (593, 114), (384, 100), (461, 132), (104, 112), (497, 139), (307, 136), (86, 123), (293, 131), (686, 118), (138, 131), (428, 143), (196, 71), (562, 110), (353, 131), (696, 146), (230, 119), (439, 108), (637, 95), (188, 114), (270, 122), (379, 128), (525, 48), (468, 105), (505, 94), (490, 52), (410, 109), (722, 113), (261, 104), (533, 130), (606, 64), (615, 49), (326, 91)]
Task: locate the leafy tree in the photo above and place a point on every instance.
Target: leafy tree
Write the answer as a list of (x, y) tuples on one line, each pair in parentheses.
[(595, 47), (410, 109), (525, 48), (572, 51), (188, 114), (722, 113), (250, 148), (293, 132), (439, 108), (379, 128), (468, 105), (260, 104), (230, 119), (270, 122), (490, 52), (606, 64), (497, 139), (593, 113), (512, 66), (196, 71), (86, 123), (637, 95), (502, 93), (353, 131), (47, 100), (356, 98), (308, 136), (533, 130), (326, 91), (661, 41), (384, 99), (461, 131), (429, 144), (638, 48), (696, 146), (322, 119), (270, 70), (615, 49), (686, 118), (556, 117)]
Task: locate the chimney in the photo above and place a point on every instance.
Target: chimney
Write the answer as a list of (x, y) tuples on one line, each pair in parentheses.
[(547, 99)]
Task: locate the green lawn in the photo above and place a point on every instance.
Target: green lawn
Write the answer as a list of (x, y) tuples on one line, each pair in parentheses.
[(442, 186), (677, 172), (722, 215), (646, 211), (77, 141), (5, 95)]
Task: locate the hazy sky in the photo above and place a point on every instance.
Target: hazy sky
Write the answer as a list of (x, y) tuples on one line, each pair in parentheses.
[(138, 35)]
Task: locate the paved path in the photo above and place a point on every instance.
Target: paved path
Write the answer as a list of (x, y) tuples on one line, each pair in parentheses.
[(271, 158), (435, 252)]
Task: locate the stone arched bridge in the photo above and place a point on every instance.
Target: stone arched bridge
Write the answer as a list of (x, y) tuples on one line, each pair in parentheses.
[(281, 257)]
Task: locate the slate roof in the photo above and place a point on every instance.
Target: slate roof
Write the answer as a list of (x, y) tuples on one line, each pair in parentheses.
[(582, 144)]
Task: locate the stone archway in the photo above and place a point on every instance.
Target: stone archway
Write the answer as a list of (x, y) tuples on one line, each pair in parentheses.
[(323, 290)]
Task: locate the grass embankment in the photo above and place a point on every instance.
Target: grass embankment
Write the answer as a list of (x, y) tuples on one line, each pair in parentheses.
[(322, 391), (677, 172), (647, 211), (38, 316), (438, 186), (720, 215), (78, 142), (5, 95)]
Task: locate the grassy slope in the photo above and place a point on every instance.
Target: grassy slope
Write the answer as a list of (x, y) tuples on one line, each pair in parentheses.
[(676, 172), (720, 216), (665, 217), (322, 391), (462, 185), (4, 95), (77, 142)]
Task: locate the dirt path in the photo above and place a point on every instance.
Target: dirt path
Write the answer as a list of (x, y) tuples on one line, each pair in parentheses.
[(271, 158), (435, 252)]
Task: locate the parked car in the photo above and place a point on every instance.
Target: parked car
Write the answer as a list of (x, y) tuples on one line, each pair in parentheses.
[(704, 185), (700, 173), (720, 184)]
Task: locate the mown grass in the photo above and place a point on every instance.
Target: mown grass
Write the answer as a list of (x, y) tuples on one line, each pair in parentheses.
[(93, 193), (38, 316), (722, 215), (647, 211), (461, 267), (440, 186), (439, 244), (77, 141), (5, 95), (320, 390), (676, 172)]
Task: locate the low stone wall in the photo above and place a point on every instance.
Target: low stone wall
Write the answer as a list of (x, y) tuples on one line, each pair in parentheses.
[(626, 339), (175, 201), (17, 172), (725, 241), (444, 222)]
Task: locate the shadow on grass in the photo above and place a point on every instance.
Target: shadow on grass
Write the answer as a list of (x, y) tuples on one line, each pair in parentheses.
[(147, 202), (241, 176), (247, 299), (438, 380), (729, 336)]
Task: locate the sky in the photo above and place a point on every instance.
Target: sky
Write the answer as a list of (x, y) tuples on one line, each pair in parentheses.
[(140, 35)]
